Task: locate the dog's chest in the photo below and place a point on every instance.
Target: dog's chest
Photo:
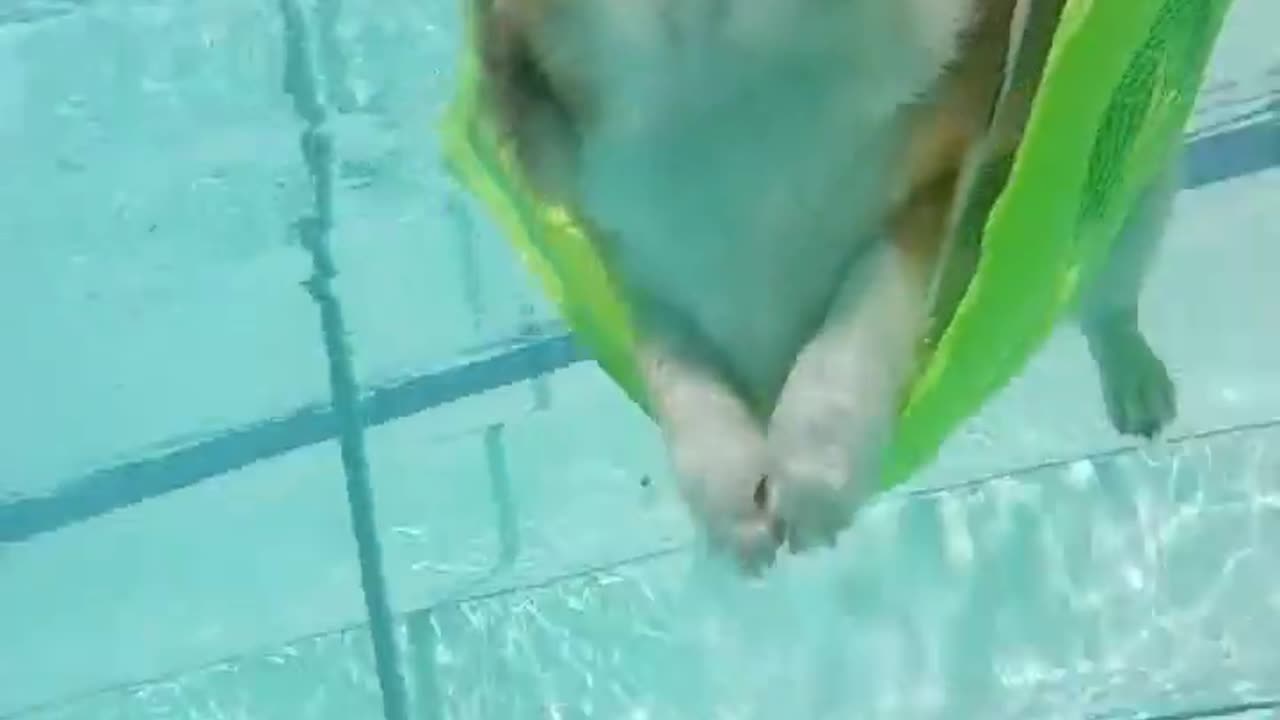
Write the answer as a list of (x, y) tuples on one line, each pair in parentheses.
[(742, 152)]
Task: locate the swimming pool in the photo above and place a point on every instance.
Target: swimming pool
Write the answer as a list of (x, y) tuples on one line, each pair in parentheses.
[(175, 533)]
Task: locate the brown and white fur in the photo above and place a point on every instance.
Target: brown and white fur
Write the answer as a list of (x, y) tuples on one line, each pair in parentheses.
[(771, 181)]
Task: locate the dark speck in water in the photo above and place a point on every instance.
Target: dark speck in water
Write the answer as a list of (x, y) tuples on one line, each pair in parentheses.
[(358, 174), (70, 165)]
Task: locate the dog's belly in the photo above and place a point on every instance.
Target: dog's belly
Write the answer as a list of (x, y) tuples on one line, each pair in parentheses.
[(736, 160), (741, 221)]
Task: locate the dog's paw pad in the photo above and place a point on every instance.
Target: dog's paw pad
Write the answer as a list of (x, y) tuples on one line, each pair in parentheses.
[(815, 502), (722, 476), (1140, 396)]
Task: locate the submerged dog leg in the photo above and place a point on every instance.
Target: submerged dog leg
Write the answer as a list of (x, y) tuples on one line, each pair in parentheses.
[(717, 447), (833, 420), (1136, 387)]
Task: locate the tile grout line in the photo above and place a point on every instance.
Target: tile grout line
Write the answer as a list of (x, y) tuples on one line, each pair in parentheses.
[(317, 147)]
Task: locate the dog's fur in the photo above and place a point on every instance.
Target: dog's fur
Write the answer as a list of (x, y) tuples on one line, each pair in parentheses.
[(772, 182)]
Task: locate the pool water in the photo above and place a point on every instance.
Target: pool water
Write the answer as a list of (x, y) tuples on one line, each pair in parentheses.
[(175, 535)]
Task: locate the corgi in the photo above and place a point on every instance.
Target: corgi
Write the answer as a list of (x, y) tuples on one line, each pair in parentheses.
[(773, 184)]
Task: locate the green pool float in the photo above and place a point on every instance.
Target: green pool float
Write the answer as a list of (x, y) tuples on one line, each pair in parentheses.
[(1117, 86)]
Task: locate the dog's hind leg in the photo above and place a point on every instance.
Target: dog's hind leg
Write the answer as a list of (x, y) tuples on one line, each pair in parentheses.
[(1136, 387)]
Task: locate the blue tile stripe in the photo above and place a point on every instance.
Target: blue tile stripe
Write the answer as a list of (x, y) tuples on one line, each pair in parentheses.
[(1214, 158)]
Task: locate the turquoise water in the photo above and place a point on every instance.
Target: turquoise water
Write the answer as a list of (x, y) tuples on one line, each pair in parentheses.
[(175, 536)]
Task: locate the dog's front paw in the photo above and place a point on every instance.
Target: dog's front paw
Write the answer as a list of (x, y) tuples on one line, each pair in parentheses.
[(721, 464), (717, 448), (821, 468), (1139, 395), (814, 490)]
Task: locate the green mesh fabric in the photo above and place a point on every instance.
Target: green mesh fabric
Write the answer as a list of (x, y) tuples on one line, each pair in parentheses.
[(554, 248), (1117, 88)]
